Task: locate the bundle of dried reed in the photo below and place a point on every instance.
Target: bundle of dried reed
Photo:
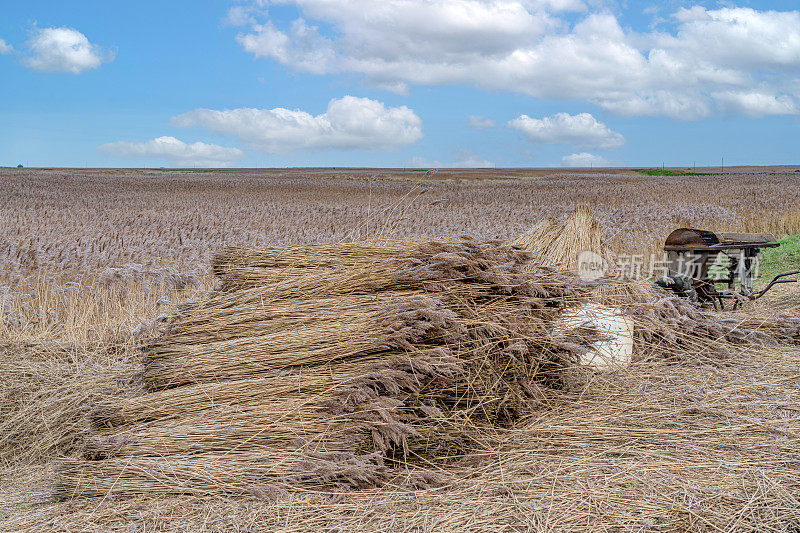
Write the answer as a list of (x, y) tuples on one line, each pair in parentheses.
[(312, 381), (314, 255), (239, 268), (455, 338), (668, 326), (539, 238), (367, 268), (783, 326)]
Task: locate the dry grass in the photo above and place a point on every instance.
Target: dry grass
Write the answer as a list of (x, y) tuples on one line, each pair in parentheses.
[(661, 447), (693, 442)]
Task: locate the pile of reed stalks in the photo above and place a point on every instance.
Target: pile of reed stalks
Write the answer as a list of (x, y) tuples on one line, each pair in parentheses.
[(783, 327), (313, 368), (671, 327)]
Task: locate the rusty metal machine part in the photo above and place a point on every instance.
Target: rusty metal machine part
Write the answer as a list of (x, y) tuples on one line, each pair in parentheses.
[(699, 260)]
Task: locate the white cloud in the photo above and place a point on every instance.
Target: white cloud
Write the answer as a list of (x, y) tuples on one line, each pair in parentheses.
[(63, 50), (177, 152), (529, 47), (423, 162), (303, 49), (391, 41), (559, 5), (240, 16), (585, 159), (737, 37), (581, 130), (464, 159), (480, 122), (756, 104), (349, 123), (5, 48)]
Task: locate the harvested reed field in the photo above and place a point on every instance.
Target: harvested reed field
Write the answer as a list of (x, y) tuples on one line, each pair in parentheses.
[(409, 378), (659, 447)]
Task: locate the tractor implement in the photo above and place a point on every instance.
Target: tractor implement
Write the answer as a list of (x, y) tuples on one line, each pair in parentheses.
[(700, 261)]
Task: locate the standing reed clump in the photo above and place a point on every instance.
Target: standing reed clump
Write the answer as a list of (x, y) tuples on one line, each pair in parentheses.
[(564, 243)]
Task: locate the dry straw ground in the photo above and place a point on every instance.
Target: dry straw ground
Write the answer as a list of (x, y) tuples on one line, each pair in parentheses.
[(93, 262)]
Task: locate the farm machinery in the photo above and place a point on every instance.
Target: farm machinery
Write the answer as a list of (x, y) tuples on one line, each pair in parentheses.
[(713, 268)]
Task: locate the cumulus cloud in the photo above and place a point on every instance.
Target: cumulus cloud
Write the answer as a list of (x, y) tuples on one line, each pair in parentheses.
[(177, 152), (63, 50), (5, 48), (581, 130), (532, 48), (480, 122), (756, 104), (585, 159), (736, 38), (349, 123)]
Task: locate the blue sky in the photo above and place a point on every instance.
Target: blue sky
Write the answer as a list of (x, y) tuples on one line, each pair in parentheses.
[(397, 83)]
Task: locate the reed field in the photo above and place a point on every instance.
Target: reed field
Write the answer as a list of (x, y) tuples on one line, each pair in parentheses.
[(78, 222), (349, 350)]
